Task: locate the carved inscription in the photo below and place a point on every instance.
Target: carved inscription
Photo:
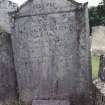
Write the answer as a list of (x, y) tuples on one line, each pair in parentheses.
[(49, 34), (47, 46), (47, 7), (49, 43)]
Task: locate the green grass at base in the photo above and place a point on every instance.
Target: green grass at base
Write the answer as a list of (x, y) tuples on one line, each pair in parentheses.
[(95, 66)]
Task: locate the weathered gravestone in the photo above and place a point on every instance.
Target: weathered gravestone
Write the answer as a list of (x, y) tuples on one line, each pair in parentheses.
[(101, 73), (7, 71), (51, 47)]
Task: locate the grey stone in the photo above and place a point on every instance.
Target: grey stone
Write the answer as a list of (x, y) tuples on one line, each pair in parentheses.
[(101, 73), (7, 71), (51, 51), (6, 7), (8, 82), (99, 92), (51, 102)]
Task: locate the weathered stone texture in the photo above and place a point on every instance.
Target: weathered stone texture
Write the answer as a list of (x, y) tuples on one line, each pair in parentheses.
[(98, 40), (101, 73), (6, 7), (99, 92), (51, 50), (51, 102), (33, 7), (7, 72)]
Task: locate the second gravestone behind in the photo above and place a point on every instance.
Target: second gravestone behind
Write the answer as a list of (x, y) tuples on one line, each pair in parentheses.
[(51, 46), (8, 86)]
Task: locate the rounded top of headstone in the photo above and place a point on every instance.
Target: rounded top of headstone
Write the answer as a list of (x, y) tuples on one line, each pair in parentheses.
[(33, 7), (73, 1)]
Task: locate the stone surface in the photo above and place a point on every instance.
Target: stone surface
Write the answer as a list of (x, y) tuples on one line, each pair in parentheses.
[(101, 73), (6, 7), (51, 50), (98, 42), (34, 7), (99, 92), (51, 102), (7, 71)]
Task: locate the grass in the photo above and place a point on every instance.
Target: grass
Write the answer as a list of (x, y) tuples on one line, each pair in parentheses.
[(95, 66)]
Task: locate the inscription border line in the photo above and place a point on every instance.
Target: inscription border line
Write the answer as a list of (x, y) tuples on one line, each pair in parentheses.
[(48, 13)]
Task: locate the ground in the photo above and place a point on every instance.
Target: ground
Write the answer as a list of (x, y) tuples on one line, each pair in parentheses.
[(95, 66)]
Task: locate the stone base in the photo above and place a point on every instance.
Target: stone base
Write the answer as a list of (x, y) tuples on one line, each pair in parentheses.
[(50, 102)]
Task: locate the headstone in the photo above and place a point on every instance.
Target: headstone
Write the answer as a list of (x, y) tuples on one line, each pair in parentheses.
[(98, 40), (51, 50), (8, 87), (101, 73)]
